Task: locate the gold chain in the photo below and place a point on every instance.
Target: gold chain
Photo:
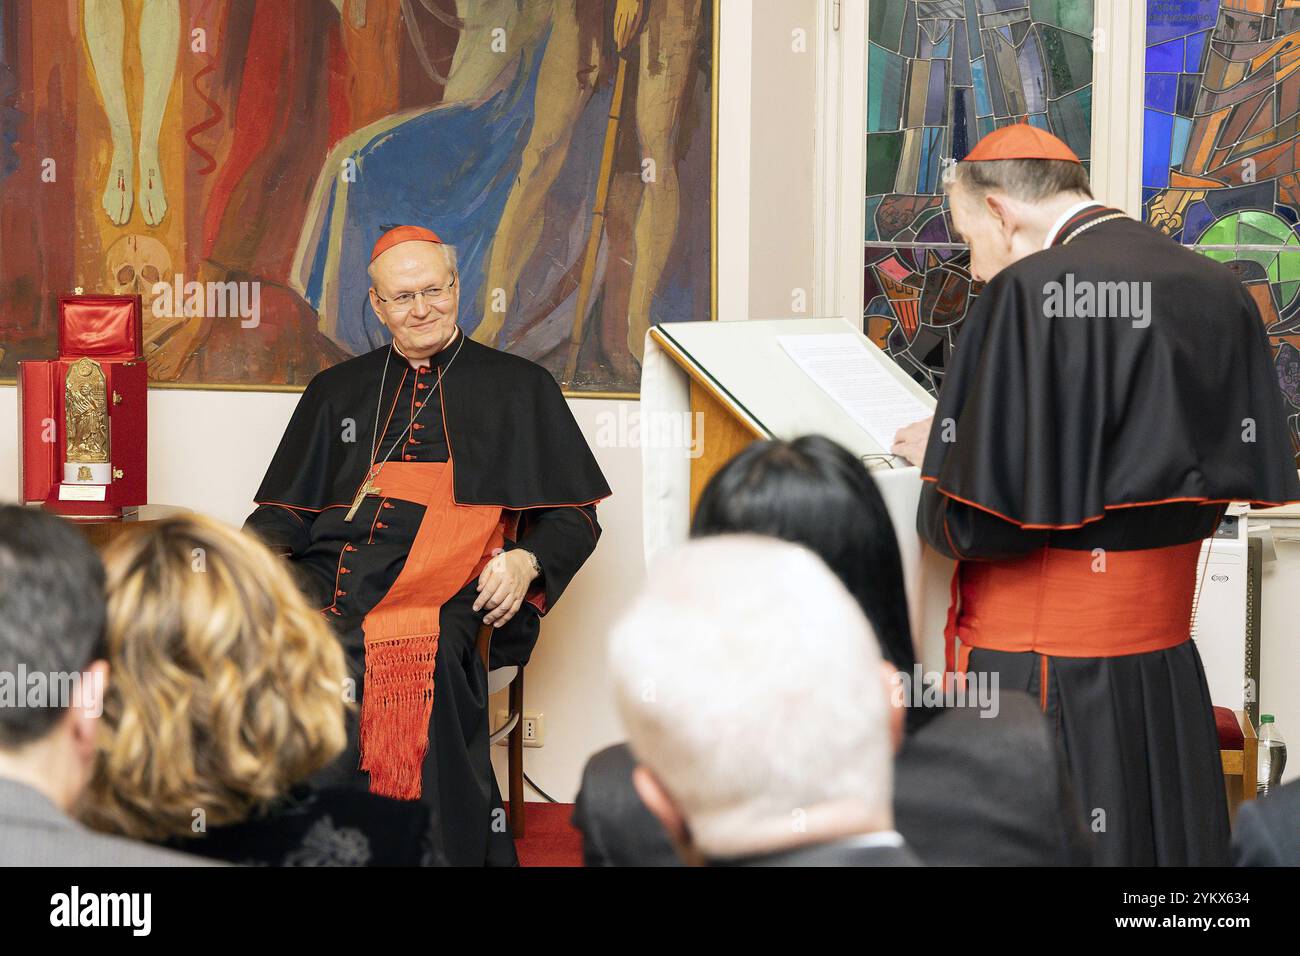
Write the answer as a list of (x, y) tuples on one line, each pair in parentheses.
[(1088, 225)]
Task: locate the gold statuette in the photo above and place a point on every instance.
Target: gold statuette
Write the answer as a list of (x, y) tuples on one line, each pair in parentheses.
[(86, 412)]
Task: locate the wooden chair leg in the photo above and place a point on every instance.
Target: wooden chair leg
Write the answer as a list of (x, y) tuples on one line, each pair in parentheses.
[(515, 757), (1249, 756)]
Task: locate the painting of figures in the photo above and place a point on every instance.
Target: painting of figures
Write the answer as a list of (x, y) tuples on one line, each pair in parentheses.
[(234, 161)]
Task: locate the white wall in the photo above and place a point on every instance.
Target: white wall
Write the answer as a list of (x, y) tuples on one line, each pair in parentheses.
[(785, 51), (566, 679)]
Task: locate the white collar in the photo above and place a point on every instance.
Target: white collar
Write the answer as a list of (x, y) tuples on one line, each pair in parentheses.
[(428, 362), (1065, 217)]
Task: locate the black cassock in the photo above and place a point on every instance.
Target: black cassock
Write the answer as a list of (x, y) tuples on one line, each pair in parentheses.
[(1105, 447), (514, 444)]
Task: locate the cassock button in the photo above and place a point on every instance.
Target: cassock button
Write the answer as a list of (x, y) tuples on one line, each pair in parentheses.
[(419, 404), (335, 610), (388, 504), (407, 457), (348, 547), (381, 525), (421, 385), (418, 426), (345, 570), (338, 593), (412, 441)]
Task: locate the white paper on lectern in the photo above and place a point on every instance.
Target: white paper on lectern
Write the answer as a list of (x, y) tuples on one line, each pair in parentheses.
[(854, 378)]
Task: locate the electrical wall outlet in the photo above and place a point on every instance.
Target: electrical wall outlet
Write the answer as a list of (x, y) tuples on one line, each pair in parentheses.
[(534, 727)]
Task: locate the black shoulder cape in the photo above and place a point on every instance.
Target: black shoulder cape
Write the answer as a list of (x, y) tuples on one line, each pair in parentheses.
[(1058, 418), (513, 439)]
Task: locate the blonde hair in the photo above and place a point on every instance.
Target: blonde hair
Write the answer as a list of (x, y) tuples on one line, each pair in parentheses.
[(225, 687)]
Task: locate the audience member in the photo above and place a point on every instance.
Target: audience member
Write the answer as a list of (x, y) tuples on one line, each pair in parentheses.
[(813, 491), (228, 694), (756, 702), (1267, 831), (52, 684)]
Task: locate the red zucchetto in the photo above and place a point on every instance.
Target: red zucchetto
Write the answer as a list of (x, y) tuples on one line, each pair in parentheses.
[(1020, 141), (402, 234)]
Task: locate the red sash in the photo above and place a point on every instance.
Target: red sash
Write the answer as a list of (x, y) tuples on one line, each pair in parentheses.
[(1062, 603), (451, 547)]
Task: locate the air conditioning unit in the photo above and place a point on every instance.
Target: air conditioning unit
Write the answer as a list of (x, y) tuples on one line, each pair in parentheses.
[(1226, 615)]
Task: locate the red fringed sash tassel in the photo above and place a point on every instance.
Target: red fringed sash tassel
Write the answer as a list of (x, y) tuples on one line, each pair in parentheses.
[(395, 712)]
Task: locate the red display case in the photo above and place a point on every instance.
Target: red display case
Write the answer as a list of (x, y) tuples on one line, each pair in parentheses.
[(83, 415)]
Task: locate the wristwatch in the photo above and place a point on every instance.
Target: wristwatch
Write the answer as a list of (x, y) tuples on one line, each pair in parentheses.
[(537, 565)]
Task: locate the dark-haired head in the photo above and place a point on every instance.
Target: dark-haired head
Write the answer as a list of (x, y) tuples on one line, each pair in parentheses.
[(814, 492), (51, 610)]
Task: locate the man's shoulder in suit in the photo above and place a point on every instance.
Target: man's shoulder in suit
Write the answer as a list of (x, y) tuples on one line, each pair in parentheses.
[(989, 791), (1267, 833), (35, 832)]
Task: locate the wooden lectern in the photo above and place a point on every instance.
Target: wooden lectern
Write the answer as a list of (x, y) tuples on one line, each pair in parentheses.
[(718, 386)]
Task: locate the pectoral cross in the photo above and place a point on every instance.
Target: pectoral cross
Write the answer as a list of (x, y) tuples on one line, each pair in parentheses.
[(367, 488)]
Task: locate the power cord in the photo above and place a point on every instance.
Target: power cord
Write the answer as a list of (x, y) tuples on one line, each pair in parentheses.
[(538, 790)]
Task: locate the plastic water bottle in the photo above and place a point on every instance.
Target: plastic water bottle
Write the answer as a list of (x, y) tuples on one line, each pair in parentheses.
[(1272, 756)]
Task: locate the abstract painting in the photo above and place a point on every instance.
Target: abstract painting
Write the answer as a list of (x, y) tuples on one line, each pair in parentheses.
[(1219, 160), (233, 161), (940, 75)]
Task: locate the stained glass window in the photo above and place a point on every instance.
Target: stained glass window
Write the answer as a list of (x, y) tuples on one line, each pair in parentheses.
[(1219, 163), (941, 74)]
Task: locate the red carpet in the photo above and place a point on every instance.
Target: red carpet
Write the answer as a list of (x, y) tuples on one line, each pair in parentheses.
[(548, 838)]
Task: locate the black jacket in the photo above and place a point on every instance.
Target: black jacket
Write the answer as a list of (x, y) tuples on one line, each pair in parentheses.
[(1268, 829), (968, 791)]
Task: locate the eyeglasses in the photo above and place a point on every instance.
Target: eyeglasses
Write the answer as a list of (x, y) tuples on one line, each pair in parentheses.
[(883, 460), (435, 294)]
